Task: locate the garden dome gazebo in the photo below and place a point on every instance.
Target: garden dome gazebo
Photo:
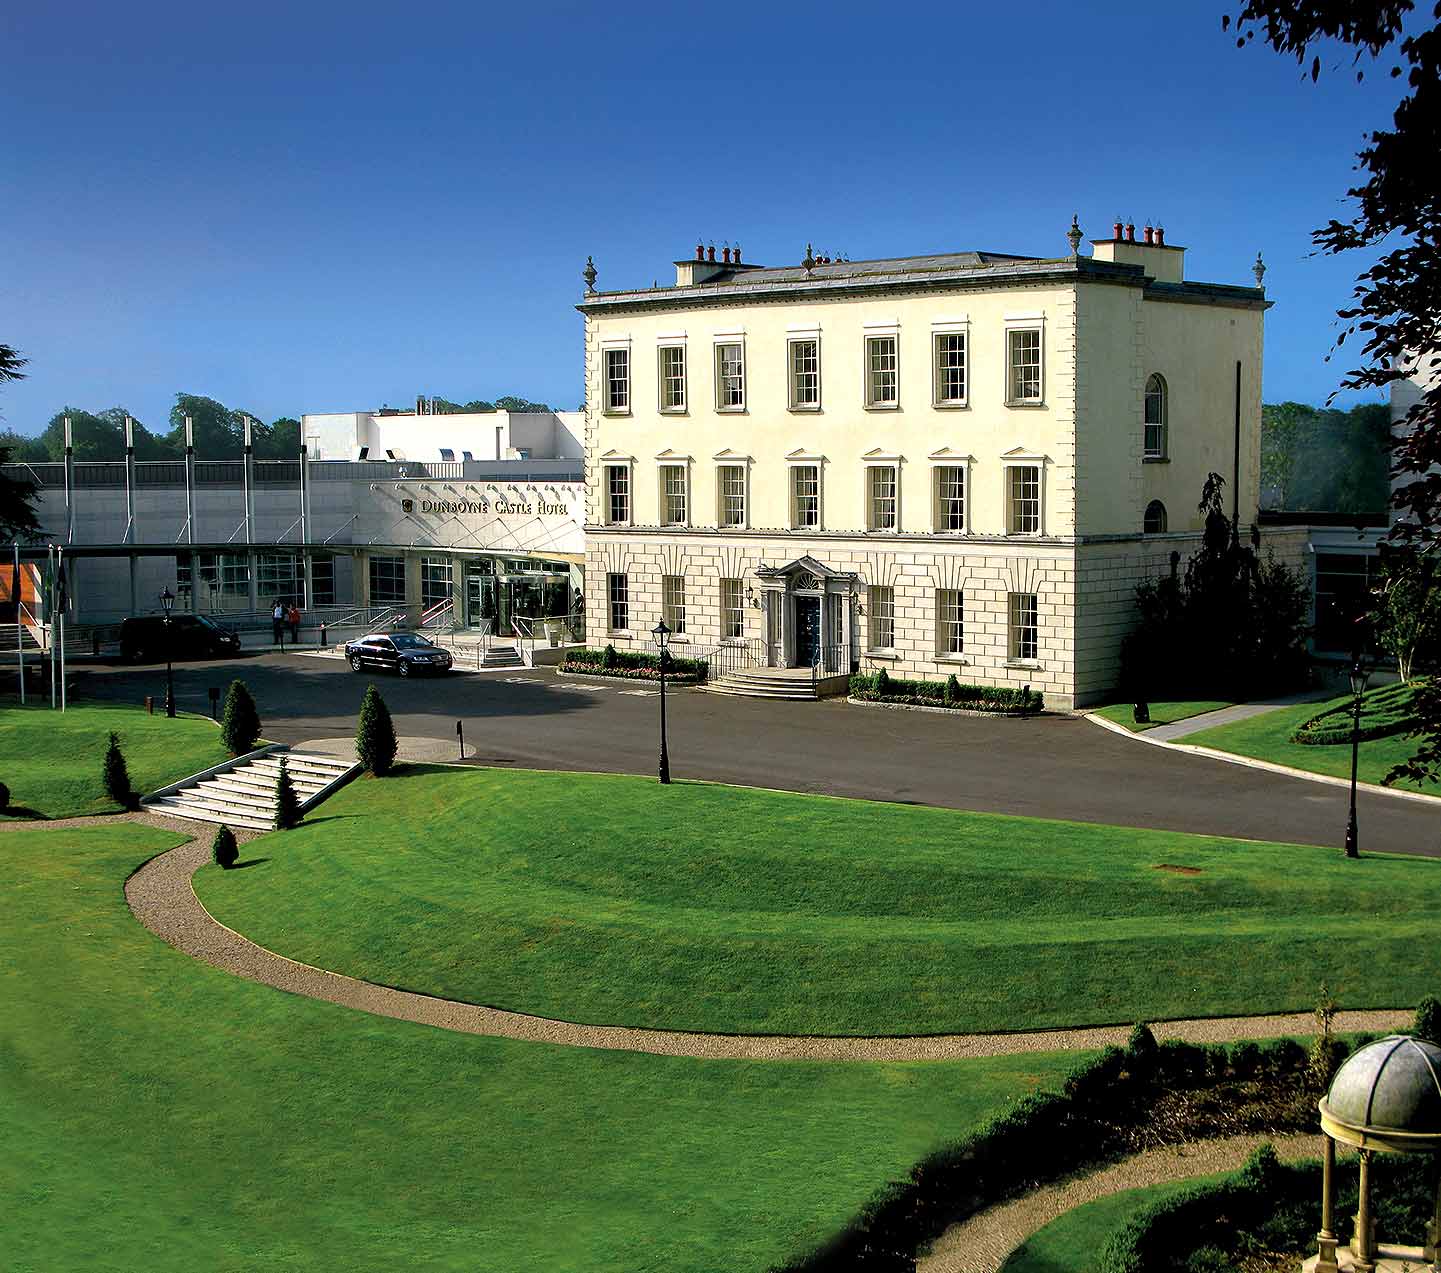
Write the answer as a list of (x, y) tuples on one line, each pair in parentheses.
[(1386, 1098)]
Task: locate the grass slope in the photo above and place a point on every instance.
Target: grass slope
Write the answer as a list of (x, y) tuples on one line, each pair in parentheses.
[(53, 761), (1161, 713), (1268, 737), (604, 898), (161, 1115)]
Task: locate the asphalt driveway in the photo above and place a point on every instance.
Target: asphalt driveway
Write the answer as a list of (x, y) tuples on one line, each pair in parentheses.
[(1051, 767)]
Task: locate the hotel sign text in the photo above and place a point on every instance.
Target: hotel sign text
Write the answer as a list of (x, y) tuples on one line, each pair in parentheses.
[(529, 508)]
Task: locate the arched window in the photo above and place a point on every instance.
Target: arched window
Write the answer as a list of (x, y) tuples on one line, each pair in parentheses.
[(1155, 522), (1154, 439)]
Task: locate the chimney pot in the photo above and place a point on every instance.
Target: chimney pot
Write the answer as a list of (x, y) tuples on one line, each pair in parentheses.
[(1116, 230), (737, 256), (1150, 234), (726, 255), (1160, 236), (700, 251), (710, 253), (1130, 232)]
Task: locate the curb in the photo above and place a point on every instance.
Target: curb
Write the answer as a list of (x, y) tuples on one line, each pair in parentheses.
[(1250, 762), (950, 711)]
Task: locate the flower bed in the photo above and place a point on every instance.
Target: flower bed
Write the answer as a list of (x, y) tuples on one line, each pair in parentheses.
[(884, 688), (1384, 711), (634, 665)]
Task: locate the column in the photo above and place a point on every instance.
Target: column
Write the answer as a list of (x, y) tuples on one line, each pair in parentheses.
[(69, 486), (1362, 1243), (1326, 1239), (248, 479), (195, 581), (307, 566)]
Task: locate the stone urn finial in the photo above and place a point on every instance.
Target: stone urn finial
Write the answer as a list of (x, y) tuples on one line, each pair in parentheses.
[(1073, 235), (1259, 270), (588, 274)]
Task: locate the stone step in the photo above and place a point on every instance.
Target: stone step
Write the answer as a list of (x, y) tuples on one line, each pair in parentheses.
[(802, 693), (320, 769), (242, 784), (225, 798), (177, 807)]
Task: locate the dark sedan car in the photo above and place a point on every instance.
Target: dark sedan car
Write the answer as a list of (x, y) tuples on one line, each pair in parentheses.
[(402, 652)]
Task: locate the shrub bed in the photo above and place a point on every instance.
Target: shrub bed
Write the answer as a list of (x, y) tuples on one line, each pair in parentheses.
[(634, 665), (1121, 1102), (881, 687), (1267, 1209), (1385, 711)]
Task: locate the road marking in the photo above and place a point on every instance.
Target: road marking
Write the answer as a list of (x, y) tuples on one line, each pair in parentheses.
[(639, 693)]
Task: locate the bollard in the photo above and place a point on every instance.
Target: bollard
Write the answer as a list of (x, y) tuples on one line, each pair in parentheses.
[(460, 736), (150, 705), (95, 644), (214, 692), (324, 638)]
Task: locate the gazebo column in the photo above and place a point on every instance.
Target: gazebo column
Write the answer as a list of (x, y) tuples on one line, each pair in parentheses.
[(1326, 1239), (1363, 1243), (1433, 1244)]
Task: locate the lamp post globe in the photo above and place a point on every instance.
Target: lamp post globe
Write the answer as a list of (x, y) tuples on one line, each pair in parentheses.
[(662, 634), (1359, 675), (167, 603)]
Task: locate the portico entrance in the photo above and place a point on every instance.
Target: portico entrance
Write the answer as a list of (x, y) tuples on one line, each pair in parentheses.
[(809, 616)]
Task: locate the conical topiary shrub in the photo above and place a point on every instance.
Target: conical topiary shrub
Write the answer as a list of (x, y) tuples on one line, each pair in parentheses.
[(4, 797), (117, 776), (287, 802), (953, 690), (224, 849), (240, 722), (375, 737)]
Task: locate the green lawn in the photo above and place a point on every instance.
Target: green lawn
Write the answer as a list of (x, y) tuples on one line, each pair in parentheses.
[(1073, 1242), (1268, 737), (52, 761), (1161, 713), (602, 898), (158, 1114)]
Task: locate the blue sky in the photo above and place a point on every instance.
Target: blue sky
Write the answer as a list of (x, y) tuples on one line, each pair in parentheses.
[(313, 206)]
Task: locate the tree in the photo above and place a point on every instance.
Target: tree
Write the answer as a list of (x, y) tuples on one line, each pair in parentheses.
[(219, 432), (512, 403), (97, 436), (239, 722), (1396, 303), (1283, 426), (17, 494), (1425, 765), (279, 440), (1427, 1024), (1408, 608), (287, 802), (23, 449), (375, 742), (117, 775), (223, 848)]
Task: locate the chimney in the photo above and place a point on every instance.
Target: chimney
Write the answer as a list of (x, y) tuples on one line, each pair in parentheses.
[(726, 254), (710, 253), (736, 256), (700, 251), (1160, 261), (419, 404)]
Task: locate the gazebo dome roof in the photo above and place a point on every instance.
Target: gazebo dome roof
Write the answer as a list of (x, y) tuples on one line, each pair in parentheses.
[(1389, 1091)]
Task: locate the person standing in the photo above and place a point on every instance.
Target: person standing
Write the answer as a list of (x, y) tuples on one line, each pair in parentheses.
[(292, 617), (277, 622)]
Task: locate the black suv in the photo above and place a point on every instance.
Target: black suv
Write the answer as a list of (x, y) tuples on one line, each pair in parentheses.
[(191, 636), (403, 652)]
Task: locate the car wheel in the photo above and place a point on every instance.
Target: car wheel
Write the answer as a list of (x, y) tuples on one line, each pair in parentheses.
[(404, 668), (355, 663)]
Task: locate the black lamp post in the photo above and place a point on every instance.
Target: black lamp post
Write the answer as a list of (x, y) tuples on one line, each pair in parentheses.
[(662, 639), (1360, 673), (167, 602)]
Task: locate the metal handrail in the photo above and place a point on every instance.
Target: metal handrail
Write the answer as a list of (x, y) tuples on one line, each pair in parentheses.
[(437, 613)]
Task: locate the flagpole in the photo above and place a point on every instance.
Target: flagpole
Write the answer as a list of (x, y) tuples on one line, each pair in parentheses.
[(64, 601), (19, 622), (50, 616)]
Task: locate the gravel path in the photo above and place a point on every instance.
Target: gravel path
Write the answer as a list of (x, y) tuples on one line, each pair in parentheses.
[(982, 1243), (162, 899)]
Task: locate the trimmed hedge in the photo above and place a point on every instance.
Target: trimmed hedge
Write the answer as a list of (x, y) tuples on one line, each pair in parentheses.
[(881, 687), (1384, 711), (1266, 1206), (1042, 1138), (634, 665)]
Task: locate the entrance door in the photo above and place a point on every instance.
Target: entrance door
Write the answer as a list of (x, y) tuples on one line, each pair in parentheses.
[(808, 630)]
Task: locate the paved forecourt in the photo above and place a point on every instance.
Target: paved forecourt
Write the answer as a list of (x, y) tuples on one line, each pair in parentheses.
[(1050, 767)]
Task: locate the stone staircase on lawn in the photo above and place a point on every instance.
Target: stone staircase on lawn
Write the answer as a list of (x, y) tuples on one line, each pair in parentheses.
[(241, 793)]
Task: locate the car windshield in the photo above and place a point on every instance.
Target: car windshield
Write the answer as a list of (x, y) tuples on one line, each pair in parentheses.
[(409, 641), (210, 623)]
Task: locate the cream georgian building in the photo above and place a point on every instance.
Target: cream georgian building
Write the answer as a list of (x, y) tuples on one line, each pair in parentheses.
[(960, 463)]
